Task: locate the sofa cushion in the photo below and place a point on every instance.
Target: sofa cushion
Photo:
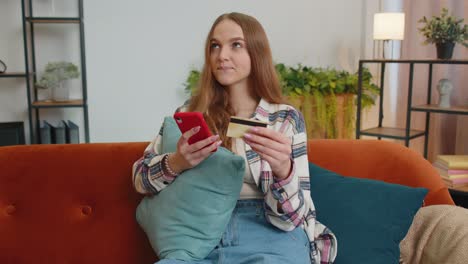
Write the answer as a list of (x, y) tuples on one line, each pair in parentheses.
[(186, 219), (368, 217)]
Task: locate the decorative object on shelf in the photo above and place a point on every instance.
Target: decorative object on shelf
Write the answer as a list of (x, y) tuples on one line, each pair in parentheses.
[(444, 87), (326, 97), (444, 31), (3, 67), (54, 77), (388, 27)]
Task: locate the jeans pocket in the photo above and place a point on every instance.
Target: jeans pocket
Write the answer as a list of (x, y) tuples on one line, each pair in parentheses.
[(299, 237)]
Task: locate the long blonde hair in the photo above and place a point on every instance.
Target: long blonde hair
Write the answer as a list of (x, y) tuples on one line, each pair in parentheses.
[(212, 98)]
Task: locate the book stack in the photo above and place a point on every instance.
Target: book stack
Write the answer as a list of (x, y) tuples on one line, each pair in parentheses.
[(453, 170), (61, 133)]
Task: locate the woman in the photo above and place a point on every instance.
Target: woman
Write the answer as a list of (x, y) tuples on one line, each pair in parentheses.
[(239, 79)]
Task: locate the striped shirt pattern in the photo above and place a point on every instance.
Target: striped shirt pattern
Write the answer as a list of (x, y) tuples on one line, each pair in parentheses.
[(288, 202)]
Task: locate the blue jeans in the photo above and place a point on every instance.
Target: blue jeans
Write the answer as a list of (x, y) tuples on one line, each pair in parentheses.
[(250, 239)]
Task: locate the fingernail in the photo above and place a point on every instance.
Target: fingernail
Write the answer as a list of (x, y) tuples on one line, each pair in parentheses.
[(196, 129), (247, 135), (254, 129), (219, 143)]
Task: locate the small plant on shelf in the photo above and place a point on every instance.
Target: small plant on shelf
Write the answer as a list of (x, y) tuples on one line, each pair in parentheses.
[(57, 72), (53, 78), (444, 31)]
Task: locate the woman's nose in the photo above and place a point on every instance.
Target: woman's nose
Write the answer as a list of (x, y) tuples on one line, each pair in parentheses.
[(224, 53)]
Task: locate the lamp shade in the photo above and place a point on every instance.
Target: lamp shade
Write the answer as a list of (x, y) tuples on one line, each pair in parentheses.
[(389, 26)]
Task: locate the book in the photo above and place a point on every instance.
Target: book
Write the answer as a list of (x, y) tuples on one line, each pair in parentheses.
[(456, 181), (449, 171), (45, 131), (453, 174), (72, 132), (453, 161), (451, 184), (58, 133)]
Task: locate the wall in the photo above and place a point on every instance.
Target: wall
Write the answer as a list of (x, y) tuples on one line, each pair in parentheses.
[(139, 53)]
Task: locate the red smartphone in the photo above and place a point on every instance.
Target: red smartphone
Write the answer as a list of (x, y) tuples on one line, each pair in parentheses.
[(189, 120)]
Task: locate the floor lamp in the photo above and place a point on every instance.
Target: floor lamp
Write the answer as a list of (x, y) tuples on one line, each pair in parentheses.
[(387, 28)]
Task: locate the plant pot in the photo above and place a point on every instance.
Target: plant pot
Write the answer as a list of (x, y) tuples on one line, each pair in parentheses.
[(445, 50), (61, 92)]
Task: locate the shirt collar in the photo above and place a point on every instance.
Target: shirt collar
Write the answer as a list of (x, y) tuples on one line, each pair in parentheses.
[(262, 111)]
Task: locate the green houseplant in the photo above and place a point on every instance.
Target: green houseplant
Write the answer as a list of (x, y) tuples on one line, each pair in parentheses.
[(444, 31), (53, 78), (326, 97)]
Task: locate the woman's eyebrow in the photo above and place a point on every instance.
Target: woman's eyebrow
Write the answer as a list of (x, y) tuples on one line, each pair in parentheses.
[(231, 39)]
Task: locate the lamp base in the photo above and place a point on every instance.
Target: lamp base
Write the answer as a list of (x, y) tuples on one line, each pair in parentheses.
[(385, 49)]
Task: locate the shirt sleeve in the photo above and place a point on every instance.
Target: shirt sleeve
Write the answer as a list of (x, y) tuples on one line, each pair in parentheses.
[(285, 198), (148, 171)]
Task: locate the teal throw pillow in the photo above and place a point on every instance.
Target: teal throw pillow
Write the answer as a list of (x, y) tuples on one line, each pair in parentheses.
[(186, 220), (368, 217)]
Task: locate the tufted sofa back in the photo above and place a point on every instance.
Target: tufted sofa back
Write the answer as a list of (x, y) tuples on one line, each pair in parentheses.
[(70, 204)]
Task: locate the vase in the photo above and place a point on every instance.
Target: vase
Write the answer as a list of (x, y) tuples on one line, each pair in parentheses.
[(445, 50), (60, 92)]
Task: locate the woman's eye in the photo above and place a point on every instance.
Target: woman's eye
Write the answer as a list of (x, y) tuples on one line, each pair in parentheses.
[(214, 45), (237, 44)]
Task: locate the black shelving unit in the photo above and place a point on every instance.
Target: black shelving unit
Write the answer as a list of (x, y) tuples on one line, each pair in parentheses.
[(24, 75), (13, 75), (405, 133), (34, 106)]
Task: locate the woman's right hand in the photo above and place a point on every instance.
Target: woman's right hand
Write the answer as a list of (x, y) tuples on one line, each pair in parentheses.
[(188, 156)]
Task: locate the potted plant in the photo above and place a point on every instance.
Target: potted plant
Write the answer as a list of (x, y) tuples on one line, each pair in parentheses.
[(54, 76), (444, 31), (325, 96)]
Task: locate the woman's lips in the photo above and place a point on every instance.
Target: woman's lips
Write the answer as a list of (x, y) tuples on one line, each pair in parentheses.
[(225, 68)]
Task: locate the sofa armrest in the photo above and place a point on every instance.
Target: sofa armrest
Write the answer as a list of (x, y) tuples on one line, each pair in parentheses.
[(380, 160)]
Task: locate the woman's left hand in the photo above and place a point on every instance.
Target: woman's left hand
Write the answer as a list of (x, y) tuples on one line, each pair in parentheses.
[(273, 147)]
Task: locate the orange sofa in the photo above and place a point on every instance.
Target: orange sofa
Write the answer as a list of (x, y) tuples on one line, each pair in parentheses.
[(76, 203)]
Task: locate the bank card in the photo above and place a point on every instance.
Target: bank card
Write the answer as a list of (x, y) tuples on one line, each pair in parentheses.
[(238, 126)]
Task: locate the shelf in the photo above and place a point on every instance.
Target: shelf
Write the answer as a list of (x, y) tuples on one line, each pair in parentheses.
[(54, 104), (391, 132), (13, 75), (463, 110), (34, 104), (433, 61), (54, 20), (463, 188)]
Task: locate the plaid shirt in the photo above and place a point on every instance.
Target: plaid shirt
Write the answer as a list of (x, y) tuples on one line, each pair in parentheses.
[(288, 202)]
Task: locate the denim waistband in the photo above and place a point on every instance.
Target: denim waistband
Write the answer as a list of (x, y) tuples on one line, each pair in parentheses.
[(248, 204)]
